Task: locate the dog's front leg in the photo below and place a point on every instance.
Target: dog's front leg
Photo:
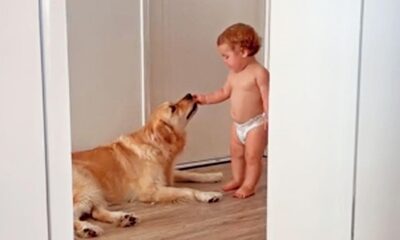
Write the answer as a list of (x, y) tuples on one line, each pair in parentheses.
[(172, 194), (122, 219), (186, 176)]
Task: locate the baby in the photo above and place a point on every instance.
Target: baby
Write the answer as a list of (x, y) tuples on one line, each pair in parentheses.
[(247, 86)]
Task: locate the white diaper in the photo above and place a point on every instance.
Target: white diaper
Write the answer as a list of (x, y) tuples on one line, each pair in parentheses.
[(242, 129)]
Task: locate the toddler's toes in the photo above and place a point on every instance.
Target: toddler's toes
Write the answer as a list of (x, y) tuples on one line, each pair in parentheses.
[(244, 192)]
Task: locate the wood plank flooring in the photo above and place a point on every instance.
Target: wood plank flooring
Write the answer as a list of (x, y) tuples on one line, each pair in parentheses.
[(231, 218)]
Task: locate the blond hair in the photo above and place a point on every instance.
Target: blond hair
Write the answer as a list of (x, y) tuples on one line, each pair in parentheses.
[(241, 35)]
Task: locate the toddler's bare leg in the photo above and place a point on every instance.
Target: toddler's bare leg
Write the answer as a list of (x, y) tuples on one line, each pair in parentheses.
[(255, 144), (237, 162)]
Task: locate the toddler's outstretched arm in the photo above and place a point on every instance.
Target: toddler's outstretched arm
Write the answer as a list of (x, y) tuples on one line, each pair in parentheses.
[(218, 96)]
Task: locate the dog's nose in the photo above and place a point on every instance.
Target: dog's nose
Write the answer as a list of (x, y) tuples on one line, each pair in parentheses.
[(188, 97)]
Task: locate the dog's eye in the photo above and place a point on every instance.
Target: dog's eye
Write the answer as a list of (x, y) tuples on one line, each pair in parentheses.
[(173, 108)]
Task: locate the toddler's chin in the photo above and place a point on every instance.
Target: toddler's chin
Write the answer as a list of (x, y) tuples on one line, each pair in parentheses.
[(236, 70)]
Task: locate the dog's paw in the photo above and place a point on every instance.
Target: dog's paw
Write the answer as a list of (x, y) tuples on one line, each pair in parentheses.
[(209, 197), (128, 220), (89, 231)]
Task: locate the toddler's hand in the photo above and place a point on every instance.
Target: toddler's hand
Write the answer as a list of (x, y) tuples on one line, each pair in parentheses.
[(199, 98)]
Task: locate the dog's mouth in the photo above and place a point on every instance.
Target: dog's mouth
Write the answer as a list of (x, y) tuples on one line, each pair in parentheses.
[(192, 111)]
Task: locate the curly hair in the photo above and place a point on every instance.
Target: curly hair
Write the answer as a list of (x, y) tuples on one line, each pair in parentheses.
[(241, 35)]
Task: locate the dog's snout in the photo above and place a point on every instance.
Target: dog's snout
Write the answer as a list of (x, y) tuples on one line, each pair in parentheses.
[(188, 97)]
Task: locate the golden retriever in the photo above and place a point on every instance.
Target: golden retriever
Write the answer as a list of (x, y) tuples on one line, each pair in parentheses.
[(137, 166)]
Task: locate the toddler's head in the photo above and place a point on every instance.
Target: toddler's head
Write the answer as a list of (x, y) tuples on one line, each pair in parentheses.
[(242, 37)]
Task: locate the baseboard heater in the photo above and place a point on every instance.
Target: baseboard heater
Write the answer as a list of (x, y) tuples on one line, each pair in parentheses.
[(205, 162)]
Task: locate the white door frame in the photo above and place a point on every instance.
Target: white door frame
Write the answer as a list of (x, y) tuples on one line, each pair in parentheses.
[(54, 50)]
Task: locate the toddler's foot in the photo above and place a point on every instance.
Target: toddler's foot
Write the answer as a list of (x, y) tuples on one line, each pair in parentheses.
[(231, 185), (244, 192)]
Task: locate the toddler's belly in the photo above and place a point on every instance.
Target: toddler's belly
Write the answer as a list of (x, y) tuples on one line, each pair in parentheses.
[(245, 105), (241, 115)]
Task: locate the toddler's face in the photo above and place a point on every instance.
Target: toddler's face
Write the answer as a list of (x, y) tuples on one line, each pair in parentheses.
[(233, 58)]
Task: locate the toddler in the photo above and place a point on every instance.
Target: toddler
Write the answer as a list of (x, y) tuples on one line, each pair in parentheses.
[(247, 86)]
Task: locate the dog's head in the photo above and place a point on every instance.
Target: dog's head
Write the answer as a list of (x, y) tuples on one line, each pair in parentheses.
[(176, 115)]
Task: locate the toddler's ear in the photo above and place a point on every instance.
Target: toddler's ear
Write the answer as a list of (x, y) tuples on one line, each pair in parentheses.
[(245, 52)]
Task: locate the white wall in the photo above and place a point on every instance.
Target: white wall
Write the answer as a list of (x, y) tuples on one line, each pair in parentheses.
[(334, 106), (183, 58), (313, 64), (23, 201), (377, 213), (104, 63)]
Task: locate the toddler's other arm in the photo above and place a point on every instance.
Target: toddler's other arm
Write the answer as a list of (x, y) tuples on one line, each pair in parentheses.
[(263, 85)]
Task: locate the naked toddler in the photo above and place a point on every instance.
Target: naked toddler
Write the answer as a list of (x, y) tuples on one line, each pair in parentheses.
[(247, 86)]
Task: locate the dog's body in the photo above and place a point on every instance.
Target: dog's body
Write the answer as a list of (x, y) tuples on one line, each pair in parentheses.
[(139, 166)]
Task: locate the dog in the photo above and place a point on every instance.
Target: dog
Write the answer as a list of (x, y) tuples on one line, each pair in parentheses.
[(139, 166)]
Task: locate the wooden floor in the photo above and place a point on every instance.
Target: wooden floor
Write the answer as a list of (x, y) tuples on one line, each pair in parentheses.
[(230, 218)]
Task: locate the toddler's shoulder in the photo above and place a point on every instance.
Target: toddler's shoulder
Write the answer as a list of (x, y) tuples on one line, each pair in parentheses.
[(261, 71), (258, 67)]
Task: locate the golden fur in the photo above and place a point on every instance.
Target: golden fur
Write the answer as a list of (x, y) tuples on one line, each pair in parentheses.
[(138, 166)]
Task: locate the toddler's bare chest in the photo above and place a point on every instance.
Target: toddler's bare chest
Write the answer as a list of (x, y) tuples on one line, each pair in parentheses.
[(244, 83)]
